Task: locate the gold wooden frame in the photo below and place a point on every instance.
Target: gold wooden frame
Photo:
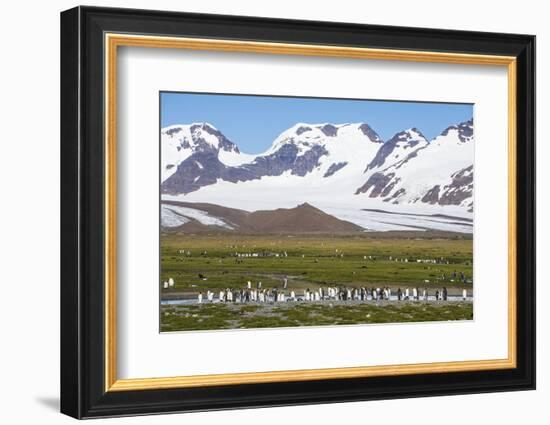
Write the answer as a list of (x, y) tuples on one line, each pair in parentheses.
[(113, 41)]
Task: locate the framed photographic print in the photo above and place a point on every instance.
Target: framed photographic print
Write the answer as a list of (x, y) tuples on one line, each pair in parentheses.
[(261, 212)]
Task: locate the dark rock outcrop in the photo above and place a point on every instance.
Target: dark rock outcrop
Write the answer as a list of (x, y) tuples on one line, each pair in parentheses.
[(302, 129), (401, 138), (334, 168), (223, 142), (173, 131), (370, 133), (329, 130), (204, 168), (432, 195), (378, 181), (460, 189), (465, 130)]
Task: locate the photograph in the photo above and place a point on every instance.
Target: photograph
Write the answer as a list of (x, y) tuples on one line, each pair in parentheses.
[(280, 211)]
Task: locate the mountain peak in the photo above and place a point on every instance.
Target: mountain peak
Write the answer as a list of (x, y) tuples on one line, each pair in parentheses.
[(464, 130), (416, 131), (198, 136), (370, 133), (398, 147), (177, 128), (412, 133), (327, 156), (179, 142), (204, 125)]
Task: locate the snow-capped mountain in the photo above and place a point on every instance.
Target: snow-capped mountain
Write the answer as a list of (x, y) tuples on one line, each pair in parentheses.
[(199, 155), (397, 148), (437, 172), (339, 168), (179, 142), (328, 148)]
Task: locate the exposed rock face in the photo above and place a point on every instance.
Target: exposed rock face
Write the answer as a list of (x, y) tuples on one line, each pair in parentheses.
[(309, 160), (285, 159), (460, 189), (398, 146), (379, 182), (381, 155), (297, 151), (432, 195), (395, 196), (223, 142), (172, 131), (370, 133), (201, 169), (181, 141), (334, 168), (329, 130), (465, 130), (406, 169), (302, 129), (274, 164), (205, 168), (409, 169)]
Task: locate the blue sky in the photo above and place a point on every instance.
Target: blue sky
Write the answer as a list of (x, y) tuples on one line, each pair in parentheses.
[(253, 122)]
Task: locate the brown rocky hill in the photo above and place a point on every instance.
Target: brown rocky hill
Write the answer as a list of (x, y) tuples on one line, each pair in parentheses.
[(302, 219)]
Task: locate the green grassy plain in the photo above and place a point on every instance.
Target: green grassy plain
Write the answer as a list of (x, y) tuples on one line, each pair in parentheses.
[(311, 262)]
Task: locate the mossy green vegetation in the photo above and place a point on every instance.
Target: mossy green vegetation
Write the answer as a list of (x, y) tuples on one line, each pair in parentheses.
[(198, 263), (243, 316)]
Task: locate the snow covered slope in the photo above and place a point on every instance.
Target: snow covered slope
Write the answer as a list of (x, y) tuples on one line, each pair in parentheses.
[(439, 172), (175, 216), (339, 168), (397, 148), (179, 142), (199, 155)]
